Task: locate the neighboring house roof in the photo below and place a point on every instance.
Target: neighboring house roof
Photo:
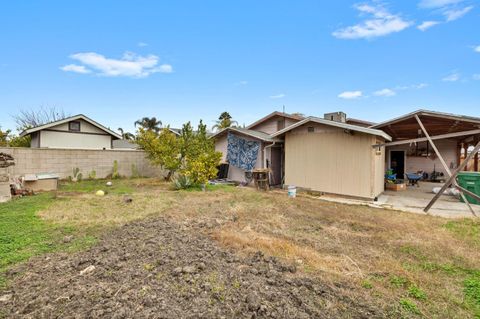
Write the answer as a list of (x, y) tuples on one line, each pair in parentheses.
[(334, 124), (125, 144), (273, 114), (68, 119), (176, 131), (251, 133)]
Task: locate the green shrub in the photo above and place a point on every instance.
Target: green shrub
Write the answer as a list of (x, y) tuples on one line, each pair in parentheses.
[(77, 176), (182, 182)]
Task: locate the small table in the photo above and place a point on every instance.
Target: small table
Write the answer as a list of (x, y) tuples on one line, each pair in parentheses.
[(261, 178)]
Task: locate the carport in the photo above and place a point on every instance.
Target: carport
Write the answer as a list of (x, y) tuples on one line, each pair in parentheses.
[(434, 144)]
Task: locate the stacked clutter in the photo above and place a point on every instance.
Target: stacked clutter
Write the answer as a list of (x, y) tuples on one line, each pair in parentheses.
[(6, 160)]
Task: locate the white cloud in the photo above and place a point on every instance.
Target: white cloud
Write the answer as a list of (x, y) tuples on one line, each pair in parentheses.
[(477, 49), (427, 25), (278, 96), (454, 14), (75, 68), (385, 93), (437, 3), (381, 23), (142, 44), (420, 86), (242, 83), (452, 77), (411, 87), (476, 77), (130, 65), (350, 95)]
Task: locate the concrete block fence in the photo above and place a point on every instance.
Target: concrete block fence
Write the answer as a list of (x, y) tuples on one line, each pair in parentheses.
[(63, 161)]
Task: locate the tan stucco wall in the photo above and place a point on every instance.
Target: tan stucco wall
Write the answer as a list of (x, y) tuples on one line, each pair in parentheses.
[(270, 126), (63, 161), (235, 173), (331, 161), (448, 149)]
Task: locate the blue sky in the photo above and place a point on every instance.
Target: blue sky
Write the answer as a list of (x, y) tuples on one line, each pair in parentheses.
[(117, 61)]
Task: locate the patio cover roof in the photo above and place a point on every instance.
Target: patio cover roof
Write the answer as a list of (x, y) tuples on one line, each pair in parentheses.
[(436, 123)]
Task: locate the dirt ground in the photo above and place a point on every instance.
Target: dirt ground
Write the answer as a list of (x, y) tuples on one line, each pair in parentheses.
[(240, 253), (157, 268)]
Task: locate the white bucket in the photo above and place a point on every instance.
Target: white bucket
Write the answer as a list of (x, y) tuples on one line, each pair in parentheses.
[(292, 191)]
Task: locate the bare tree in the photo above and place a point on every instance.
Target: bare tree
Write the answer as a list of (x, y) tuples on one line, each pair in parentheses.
[(32, 118)]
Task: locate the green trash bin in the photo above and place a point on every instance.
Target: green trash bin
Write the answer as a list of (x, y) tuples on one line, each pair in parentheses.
[(470, 181)]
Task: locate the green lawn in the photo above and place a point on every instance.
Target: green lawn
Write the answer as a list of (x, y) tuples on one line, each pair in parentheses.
[(23, 234)]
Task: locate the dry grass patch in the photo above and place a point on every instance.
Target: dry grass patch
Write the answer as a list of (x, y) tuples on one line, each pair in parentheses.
[(412, 265)]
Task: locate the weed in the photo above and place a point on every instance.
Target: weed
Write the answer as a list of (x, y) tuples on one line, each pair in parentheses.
[(92, 174), (416, 292), (115, 173), (397, 281), (367, 284), (148, 267), (409, 306)]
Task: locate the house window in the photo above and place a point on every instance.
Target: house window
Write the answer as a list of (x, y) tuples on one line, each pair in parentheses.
[(74, 126), (310, 129)]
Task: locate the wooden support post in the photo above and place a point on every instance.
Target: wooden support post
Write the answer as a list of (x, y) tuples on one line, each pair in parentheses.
[(445, 166), (475, 159), (452, 178)]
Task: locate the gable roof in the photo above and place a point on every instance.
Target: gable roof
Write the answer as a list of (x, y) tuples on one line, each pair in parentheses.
[(255, 134), (273, 114), (68, 119), (346, 126)]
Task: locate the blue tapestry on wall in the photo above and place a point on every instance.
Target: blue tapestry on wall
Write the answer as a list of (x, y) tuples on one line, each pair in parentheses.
[(242, 153)]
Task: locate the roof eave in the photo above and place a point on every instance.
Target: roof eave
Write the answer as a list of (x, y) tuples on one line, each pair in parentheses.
[(335, 124)]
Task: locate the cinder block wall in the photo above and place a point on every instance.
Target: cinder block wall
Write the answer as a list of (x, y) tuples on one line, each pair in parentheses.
[(63, 161)]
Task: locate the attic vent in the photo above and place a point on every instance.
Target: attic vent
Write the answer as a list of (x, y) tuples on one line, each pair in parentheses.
[(310, 129)]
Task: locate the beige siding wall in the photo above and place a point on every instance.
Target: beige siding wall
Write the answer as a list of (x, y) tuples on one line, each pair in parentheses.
[(331, 161), (54, 139), (84, 127), (35, 140), (59, 137), (379, 168), (448, 149), (63, 161), (271, 126), (235, 173)]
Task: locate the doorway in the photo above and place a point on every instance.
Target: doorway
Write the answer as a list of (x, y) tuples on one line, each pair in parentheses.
[(276, 165), (397, 163)]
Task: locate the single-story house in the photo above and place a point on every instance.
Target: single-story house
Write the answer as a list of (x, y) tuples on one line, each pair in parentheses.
[(77, 131), (344, 156)]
